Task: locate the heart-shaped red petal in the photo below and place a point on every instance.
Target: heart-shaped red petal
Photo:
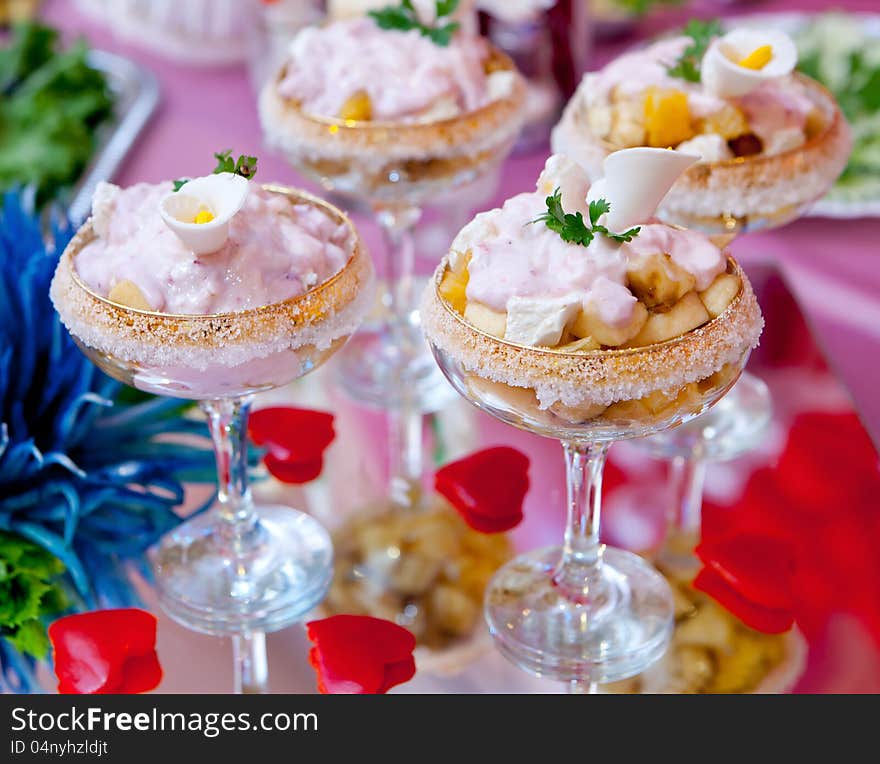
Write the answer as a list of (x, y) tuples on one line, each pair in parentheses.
[(759, 568), (360, 654), (487, 488), (106, 651), (756, 616), (295, 440)]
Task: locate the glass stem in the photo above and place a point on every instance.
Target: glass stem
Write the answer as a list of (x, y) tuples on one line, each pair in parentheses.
[(581, 687), (578, 572), (687, 477), (251, 667), (406, 436), (238, 527)]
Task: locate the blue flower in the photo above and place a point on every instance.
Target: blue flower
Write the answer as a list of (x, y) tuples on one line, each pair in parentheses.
[(83, 472)]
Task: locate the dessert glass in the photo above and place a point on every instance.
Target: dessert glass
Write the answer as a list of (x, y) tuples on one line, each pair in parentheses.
[(585, 613), (394, 169), (741, 194), (240, 569)]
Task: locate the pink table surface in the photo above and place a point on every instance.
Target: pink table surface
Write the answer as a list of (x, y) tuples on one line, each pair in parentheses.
[(203, 110)]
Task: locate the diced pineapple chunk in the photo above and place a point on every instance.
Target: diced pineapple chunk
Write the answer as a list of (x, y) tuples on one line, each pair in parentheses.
[(453, 289), (577, 414), (583, 345), (485, 319), (667, 117), (659, 280), (588, 323), (128, 293), (687, 314), (358, 108), (728, 122), (627, 411), (720, 293)]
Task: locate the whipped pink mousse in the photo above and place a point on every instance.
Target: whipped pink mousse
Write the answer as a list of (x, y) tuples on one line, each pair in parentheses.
[(777, 110), (275, 251), (407, 77), (509, 259)]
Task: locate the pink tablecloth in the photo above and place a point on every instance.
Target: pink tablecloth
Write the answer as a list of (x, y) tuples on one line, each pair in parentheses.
[(830, 265)]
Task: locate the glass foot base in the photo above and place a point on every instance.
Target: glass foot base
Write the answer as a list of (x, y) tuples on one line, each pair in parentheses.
[(374, 371), (278, 574), (732, 427), (541, 631), (712, 651)]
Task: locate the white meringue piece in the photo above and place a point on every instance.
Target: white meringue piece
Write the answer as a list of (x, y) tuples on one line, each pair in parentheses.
[(635, 181), (710, 146), (539, 321), (103, 207), (784, 139), (570, 178), (724, 77), (223, 195)]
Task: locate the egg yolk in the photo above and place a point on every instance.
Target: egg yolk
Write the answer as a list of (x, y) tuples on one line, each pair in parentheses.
[(758, 58), (204, 216)]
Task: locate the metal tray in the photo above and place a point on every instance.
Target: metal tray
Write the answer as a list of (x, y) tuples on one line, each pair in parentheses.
[(136, 95)]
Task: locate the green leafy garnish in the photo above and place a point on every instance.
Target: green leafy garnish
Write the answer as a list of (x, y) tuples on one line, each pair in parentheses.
[(404, 17), (572, 227), (51, 105), (701, 32), (29, 592), (245, 166)]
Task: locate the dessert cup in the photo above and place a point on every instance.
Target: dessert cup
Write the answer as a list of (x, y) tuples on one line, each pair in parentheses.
[(585, 613), (394, 168), (743, 193), (239, 569)]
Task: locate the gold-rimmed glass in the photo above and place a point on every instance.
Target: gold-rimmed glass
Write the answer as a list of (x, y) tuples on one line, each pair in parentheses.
[(240, 569), (585, 613)]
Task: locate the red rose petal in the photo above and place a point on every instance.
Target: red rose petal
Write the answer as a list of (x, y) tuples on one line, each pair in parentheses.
[(759, 568), (106, 651), (295, 473), (487, 488), (756, 616), (140, 673), (360, 654), (398, 673), (295, 440)]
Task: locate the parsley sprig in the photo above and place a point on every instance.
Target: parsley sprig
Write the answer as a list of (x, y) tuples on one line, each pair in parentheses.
[(573, 228), (688, 65), (245, 166), (404, 17)]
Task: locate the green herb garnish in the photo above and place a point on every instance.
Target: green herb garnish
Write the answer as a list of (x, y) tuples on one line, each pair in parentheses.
[(701, 32), (245, 166), (30, 592), (573, 228), (52, 104), (404, 17)]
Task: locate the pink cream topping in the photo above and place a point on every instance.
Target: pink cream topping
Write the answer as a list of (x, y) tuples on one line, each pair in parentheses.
[(775, 106), (633, 72), (275, 251), (405, 75), (511, 258)]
